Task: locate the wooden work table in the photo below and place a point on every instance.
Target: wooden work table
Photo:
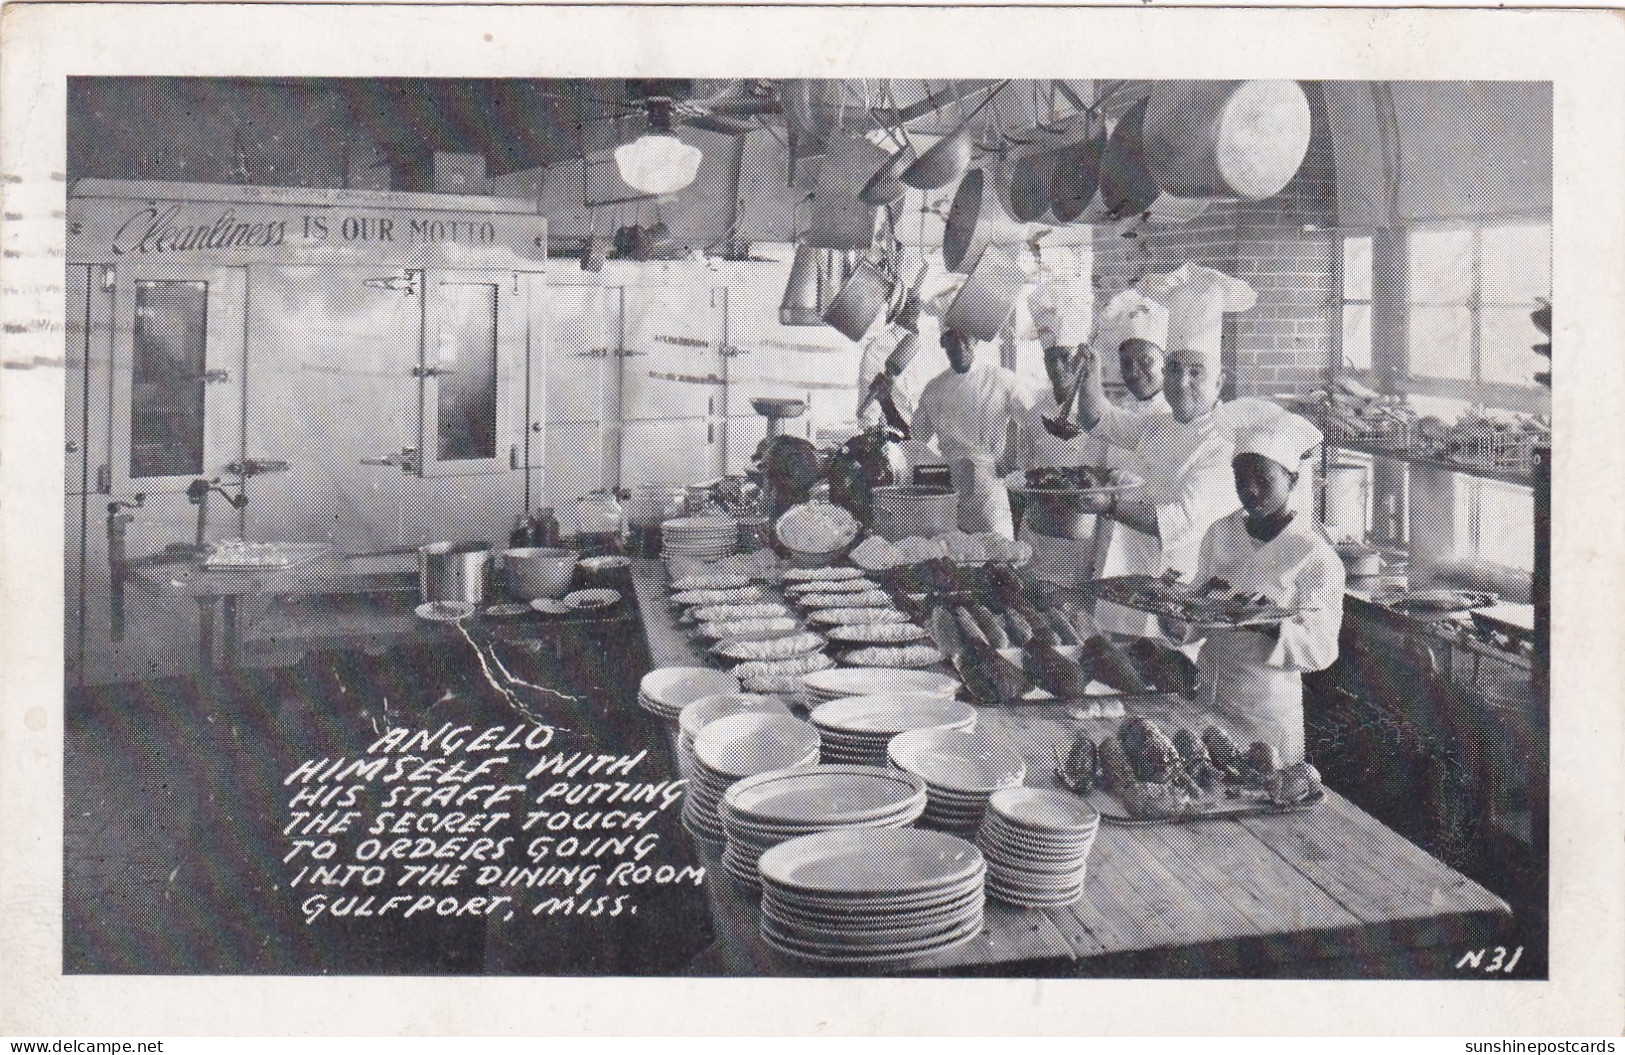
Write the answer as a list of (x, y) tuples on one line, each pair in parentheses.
[(1328, 891)]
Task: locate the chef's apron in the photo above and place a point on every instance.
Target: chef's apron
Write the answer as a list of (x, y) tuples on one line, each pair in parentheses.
[(984, 503), (1259, 702)]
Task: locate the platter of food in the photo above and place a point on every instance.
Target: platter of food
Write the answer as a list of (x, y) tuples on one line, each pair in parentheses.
[(1434, 602), (788, 647), (1139, 774), (899, 656), (1211, 607), (699, 598), (1080, 479), (877, 633), (821, 574), (853, 616)]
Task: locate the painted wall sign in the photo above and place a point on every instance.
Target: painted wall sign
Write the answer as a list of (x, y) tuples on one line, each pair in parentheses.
[(111, 230)]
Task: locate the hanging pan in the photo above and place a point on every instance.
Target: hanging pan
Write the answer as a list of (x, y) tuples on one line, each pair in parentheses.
[(988, 298), (1225, 139), (977, 219), (950, 156), (1021, 179), (1074, 176)]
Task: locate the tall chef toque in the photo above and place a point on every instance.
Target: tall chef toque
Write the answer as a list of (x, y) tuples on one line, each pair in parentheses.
[(1197, 299), (1131, 315)]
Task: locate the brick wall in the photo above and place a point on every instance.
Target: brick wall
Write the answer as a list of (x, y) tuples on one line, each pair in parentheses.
[(1284, 344)]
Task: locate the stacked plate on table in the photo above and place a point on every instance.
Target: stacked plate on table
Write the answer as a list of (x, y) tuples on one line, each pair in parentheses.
[(870, 896), (665, 692), (826, 685), (708, 538), (1037, 846), (707, 709), (960, 769), (730, 749), (761, 812), (857, 729)]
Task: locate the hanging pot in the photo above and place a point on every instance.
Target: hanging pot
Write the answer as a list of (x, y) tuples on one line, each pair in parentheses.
[(861, 300), (950, 156), (841, 219), (1225, 139), (884, 187), (977, 219), (803, 303), (988, 298), (1074, 177)]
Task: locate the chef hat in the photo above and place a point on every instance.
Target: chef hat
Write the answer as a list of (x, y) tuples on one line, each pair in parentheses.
[(1063, 311), (1131, 315), (1285, 439), (1197, 299)]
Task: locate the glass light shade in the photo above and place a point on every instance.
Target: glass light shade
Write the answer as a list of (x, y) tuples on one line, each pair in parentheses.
[(657, 164)]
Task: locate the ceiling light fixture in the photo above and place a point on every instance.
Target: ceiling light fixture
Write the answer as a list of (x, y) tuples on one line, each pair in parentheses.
[(657, 162)]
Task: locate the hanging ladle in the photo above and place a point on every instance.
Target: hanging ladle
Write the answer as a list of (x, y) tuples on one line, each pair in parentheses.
[(948, 159), (1061, 426)]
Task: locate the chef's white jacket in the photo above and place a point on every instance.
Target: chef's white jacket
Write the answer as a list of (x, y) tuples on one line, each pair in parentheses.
[(969, 415), (1254, 679)]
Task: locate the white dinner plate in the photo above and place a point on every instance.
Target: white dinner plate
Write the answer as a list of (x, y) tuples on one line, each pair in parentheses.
[(864, 861), (975, 763), (1043, 811), (744, 745), (824, 795), (871, 681)]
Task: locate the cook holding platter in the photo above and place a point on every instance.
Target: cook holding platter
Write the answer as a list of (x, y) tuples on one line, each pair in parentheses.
[(1253, 676)]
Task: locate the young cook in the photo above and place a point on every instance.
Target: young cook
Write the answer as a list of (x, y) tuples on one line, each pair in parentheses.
[(1253, 677)]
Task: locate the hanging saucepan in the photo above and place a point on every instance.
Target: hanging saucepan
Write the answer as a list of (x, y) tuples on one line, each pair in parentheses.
[(884, 187), (1074, 176), (977, 219), (1225, 139), (861, 299), (841, 219), (950, 156), (988, 298)]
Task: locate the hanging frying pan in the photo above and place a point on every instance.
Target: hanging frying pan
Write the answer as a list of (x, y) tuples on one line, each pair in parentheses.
[(977, 219), (884, 187), (1127, 187), (1074, 176), (1022, 180), (950, 156), (1225, 139)]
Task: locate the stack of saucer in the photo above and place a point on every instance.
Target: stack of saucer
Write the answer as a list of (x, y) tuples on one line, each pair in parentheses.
[(1037, 846), (870, 896), (708, 538), (960, 769), (731, 749), (762, 811), (857, 729), (665, 692)]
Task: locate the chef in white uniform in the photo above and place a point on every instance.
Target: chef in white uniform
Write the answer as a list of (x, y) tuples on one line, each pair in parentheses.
[(1185, 452), (1253, 677), (971, 409), (1135, 327)]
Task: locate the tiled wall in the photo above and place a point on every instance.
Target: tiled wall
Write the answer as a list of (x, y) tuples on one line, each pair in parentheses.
[(1285, 343)]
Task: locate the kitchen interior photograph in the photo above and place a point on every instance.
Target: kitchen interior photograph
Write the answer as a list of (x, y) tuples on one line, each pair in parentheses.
[(1034, 528)]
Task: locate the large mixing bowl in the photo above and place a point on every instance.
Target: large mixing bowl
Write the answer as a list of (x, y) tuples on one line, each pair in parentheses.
[(539, 571)]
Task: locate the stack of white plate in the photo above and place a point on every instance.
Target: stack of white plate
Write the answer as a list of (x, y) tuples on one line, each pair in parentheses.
[(857, 729), (665, 692), (826, 685), (1037, 846), (731, 749), (870, 896), (708, 538), (763, 811), (707, 709), (960, 769)]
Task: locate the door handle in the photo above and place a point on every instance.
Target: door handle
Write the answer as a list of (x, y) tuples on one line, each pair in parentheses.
[(215, 377), (431, 371), (406, 461), (254, 466)]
